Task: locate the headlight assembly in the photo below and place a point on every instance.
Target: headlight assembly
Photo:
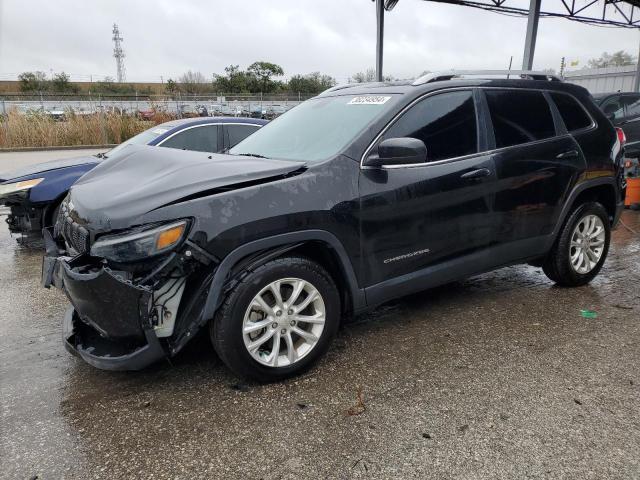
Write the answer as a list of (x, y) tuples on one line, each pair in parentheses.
[(142, 244), (18, 186)]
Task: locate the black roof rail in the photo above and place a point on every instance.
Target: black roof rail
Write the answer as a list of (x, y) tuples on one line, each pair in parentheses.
[(448, 75)]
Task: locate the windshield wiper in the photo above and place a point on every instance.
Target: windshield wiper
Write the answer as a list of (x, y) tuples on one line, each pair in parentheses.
[(250, 155)]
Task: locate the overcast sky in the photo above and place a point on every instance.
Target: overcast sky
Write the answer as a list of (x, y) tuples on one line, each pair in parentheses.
[(337, 37)]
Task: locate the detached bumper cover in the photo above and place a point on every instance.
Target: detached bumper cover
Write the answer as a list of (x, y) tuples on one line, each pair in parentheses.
[(92, 350), (103, 299), (108, 325)]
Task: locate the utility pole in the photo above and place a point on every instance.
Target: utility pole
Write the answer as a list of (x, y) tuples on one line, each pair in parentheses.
[(381, 6), (118, 53), (379, 38)]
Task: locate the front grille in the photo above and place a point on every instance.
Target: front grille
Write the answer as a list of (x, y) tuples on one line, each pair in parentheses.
[(76, 236)]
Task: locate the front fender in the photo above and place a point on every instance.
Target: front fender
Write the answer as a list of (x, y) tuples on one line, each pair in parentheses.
[(57, 182), (214, 297)]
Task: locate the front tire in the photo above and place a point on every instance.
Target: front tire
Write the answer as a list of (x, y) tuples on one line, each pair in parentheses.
[(278, 320), (581, 248)]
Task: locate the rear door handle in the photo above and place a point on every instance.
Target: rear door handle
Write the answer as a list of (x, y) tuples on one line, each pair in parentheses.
[(568, 154), (479, 173)]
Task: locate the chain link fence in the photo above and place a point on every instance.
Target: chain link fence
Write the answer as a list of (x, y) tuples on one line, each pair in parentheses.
[(179, 105)]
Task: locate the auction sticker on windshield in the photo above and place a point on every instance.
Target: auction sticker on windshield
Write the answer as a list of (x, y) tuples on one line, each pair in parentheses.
[(369, 100)]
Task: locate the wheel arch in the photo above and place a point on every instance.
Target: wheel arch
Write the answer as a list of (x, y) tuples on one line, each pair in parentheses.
[(50, 208), (604, 194), (319, 245), (602, 190)]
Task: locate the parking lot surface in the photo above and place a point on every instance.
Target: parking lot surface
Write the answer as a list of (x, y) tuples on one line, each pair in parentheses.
[(12, 160), (499, 376)]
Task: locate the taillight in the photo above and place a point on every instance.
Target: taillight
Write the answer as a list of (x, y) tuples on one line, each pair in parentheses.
[(622, 138)]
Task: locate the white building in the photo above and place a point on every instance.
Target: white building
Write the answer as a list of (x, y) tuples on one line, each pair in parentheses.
[(604, 80)]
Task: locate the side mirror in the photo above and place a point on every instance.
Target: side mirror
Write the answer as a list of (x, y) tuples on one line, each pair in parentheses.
[(398, 151)]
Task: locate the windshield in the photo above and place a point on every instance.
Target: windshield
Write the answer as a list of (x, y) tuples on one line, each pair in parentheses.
[(141, 139), (316, 129)]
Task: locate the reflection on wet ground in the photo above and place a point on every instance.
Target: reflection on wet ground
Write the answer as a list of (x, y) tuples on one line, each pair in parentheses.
[(495, 377)]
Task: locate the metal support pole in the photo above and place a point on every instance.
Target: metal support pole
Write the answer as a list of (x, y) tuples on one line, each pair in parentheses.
[(532, 34), (379, 37), (636, 81)]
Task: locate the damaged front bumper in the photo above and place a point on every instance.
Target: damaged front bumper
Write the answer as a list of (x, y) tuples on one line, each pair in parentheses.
[(79, 340), (128, 316), (109, 324), (24, 218)]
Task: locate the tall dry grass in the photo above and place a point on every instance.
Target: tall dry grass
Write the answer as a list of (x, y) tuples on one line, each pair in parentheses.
[(40, 130)]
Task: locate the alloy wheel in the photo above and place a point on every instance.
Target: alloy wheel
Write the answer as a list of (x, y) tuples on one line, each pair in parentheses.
[(284, 322), (587, 244)]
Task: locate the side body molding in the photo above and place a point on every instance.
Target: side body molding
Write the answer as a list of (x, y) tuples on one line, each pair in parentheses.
[(214, 297)]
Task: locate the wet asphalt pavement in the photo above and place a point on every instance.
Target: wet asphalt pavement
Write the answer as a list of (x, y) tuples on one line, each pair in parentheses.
[(496, 377)]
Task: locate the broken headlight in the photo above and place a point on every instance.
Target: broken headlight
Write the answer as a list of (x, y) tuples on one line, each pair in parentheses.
[(8, 188), (140, 244)]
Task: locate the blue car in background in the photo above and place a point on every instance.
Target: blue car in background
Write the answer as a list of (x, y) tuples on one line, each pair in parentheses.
[(34, 193)]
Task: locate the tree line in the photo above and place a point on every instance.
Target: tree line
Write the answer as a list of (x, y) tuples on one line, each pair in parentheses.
[(38, 82), (259, 77), (616, 59)]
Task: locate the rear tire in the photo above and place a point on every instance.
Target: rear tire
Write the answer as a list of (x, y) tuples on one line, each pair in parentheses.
[(266, 338), (581, 247)]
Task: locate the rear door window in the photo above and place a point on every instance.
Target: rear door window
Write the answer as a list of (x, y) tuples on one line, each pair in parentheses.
[(519, 116), (572, 113), (199, 139), (446, 123), (237, 133)]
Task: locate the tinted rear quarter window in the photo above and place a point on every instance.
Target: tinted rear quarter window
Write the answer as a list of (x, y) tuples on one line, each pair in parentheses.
[(613, 108), (237, 133), (519, 116), (571, 111), (446, 123), (199, 139)]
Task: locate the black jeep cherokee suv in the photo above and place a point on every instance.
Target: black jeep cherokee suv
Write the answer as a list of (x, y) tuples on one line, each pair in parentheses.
[(363, 194)]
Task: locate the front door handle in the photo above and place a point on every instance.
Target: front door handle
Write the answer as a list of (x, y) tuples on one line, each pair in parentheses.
[(479, 173), (568, 154)]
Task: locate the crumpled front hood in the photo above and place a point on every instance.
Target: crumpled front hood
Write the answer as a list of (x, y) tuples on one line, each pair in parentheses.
[(31, 170), (145, 178)]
